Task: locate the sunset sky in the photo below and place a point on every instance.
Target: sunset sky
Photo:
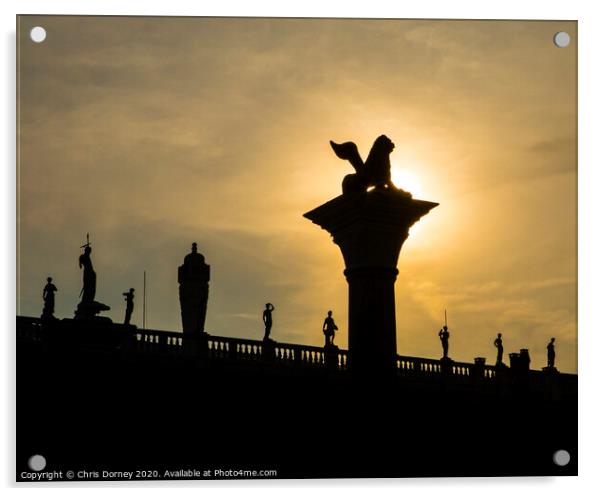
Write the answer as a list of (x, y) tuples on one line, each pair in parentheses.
[(152, 133)]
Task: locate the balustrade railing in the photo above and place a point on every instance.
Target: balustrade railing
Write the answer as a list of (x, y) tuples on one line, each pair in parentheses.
[(222, 348), (415, 366)]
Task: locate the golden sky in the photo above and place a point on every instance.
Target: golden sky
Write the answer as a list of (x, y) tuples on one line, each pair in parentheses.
[(152, 133)]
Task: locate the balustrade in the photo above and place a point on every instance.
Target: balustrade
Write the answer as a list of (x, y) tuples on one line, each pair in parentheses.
[(286, 354)]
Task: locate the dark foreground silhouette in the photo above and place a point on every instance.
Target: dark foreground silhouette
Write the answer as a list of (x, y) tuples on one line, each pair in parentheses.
[(94, 396)]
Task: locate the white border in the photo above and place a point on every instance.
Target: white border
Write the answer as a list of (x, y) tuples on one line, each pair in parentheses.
[(590, 245)]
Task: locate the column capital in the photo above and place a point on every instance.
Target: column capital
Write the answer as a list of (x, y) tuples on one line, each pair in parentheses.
[(370, 227)]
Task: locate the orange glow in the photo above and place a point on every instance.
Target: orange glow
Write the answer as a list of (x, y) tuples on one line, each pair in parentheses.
[(405, 179)]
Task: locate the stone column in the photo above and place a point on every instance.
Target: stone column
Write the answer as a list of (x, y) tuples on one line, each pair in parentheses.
[(370, 229)]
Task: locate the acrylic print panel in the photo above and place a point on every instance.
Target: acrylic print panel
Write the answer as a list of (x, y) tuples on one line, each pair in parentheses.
[(295, 248)]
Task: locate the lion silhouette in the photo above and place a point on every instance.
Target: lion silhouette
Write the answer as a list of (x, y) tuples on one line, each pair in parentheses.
[(376, 171)]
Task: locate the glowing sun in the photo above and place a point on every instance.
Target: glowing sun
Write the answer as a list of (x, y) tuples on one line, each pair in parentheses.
[(406, 180)]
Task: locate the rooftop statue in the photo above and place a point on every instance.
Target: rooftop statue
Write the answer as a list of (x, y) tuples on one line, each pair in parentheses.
[(129, 305), (88, 291), (329, 328), (193, 280), (376, 171), (48, 297), (88, 306), (267, 320)]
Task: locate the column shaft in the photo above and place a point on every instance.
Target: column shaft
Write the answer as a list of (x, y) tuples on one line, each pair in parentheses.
[(372, 333)]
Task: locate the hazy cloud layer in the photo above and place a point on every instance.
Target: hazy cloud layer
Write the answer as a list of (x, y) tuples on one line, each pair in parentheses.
[(151, 133)]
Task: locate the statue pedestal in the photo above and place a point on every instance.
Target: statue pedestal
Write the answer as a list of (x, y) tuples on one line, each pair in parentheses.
[(268, 350), (89, 309), (331, 357), (447, 365), (370, 229)]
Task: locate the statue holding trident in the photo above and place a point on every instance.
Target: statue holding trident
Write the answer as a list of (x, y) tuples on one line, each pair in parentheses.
[(88, 291), (88, 307), (444, 337)]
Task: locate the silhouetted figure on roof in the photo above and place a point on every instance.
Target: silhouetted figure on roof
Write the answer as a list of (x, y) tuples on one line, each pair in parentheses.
[(88, 291), (500, 349), (88, 307), (267, 320), (444, 336), (129, 305), (48, 297), (329, 328), (551, 353), (376, 171), (193, 278)]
